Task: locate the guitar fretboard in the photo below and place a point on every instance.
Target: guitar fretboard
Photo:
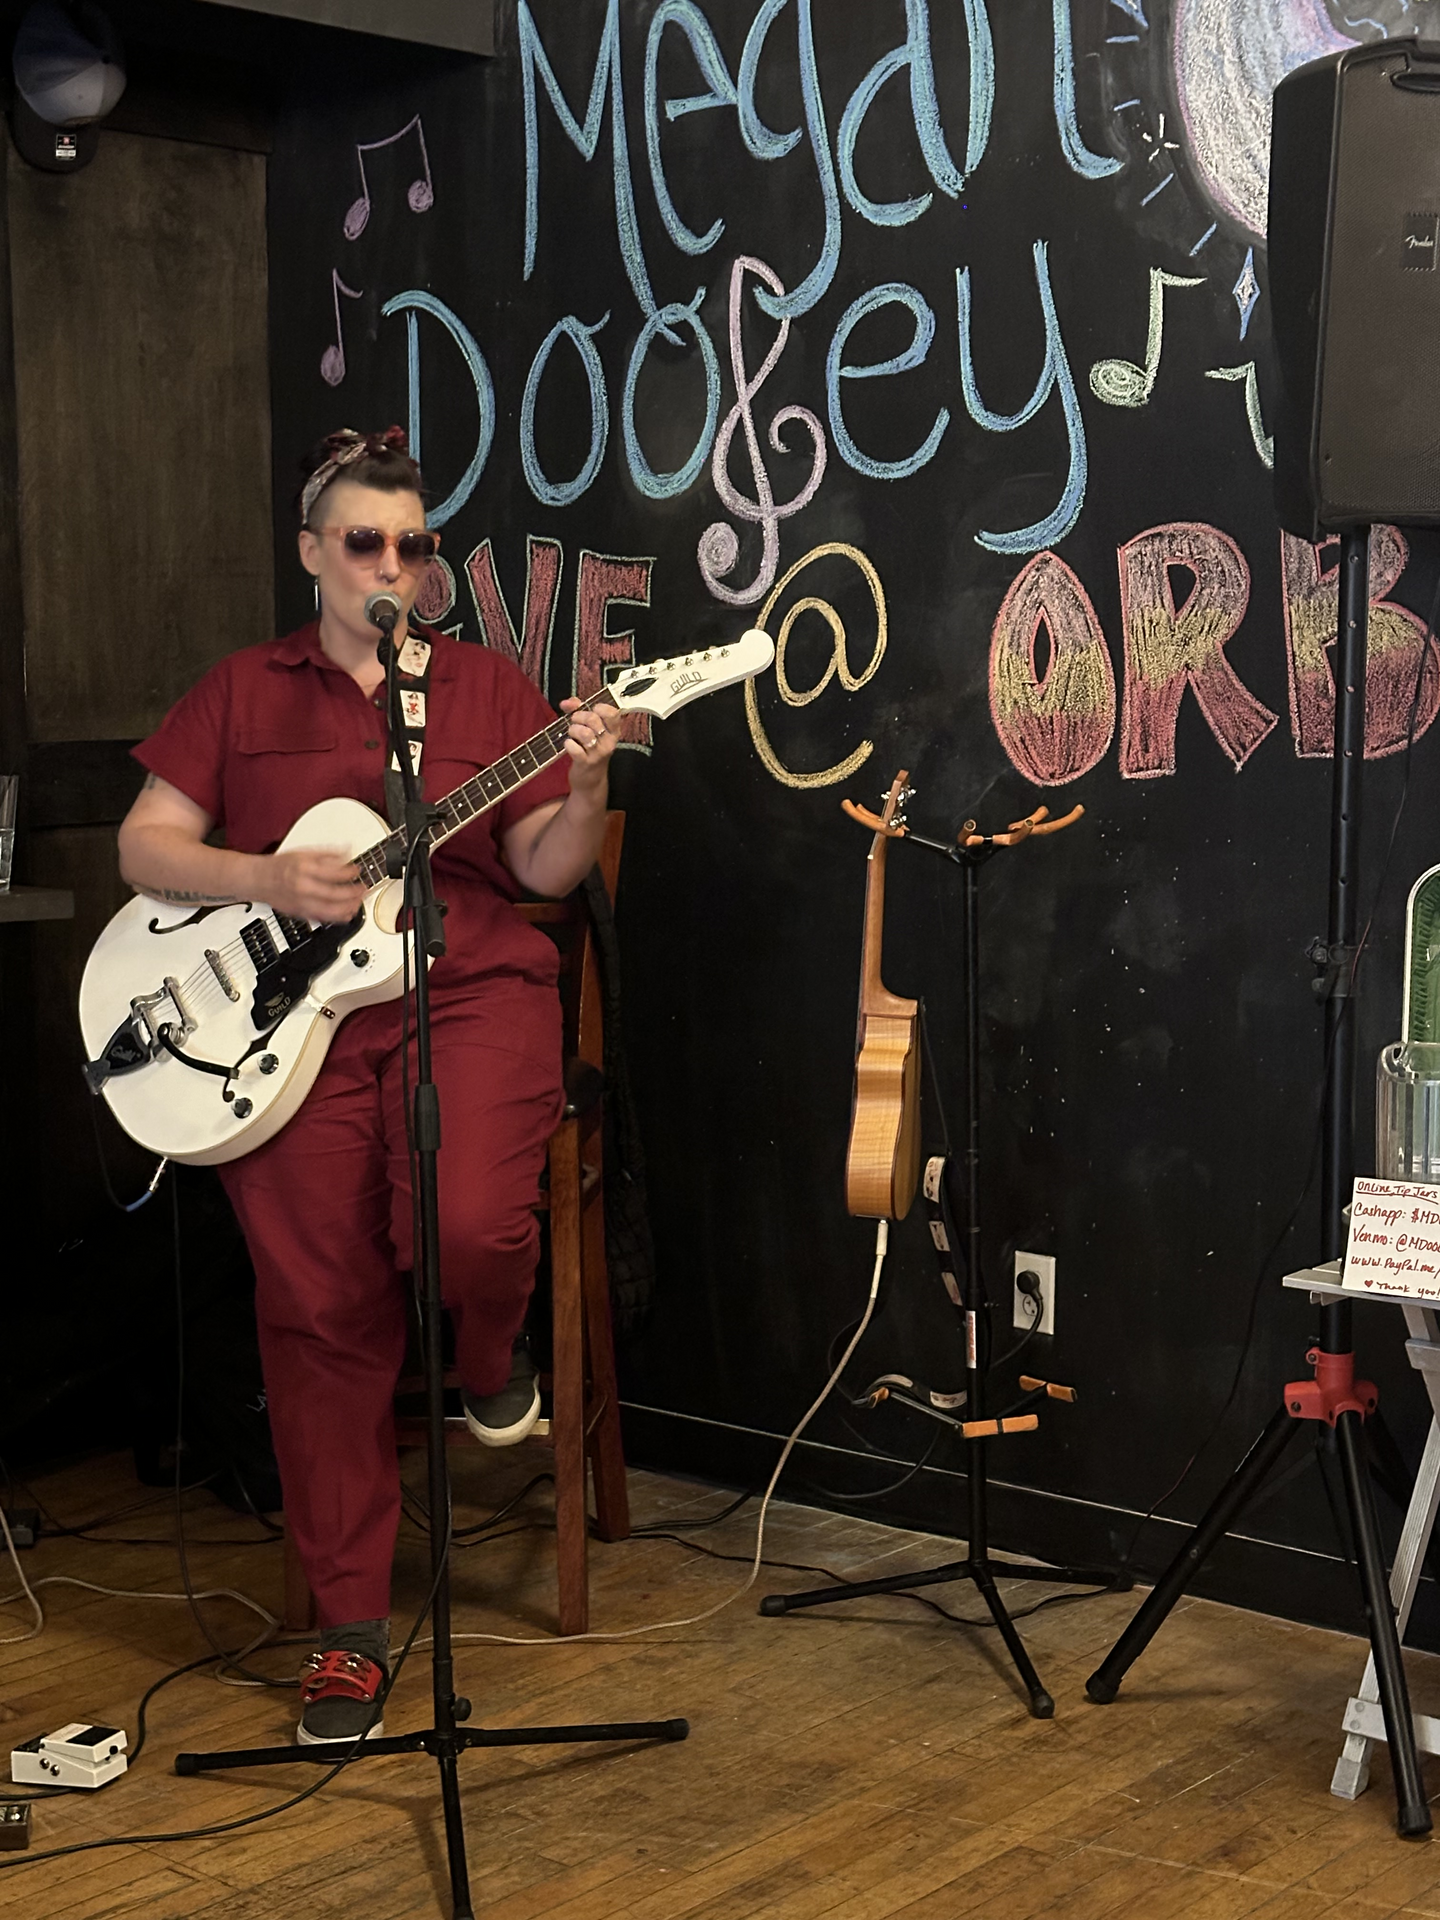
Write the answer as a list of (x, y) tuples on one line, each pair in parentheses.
[(477, 796)]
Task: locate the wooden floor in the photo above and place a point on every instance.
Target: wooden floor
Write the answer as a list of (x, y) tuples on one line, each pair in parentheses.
[(863, 1762)]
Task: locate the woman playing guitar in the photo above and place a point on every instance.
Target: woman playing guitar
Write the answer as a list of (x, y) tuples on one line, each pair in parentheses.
[(326, 1204)]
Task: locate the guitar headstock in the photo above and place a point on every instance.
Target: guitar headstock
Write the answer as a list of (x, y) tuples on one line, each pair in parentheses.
[(891, 819), (662, 687)]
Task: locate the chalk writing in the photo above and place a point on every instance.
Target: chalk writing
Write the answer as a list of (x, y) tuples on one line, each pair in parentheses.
[(1169, 648), (721, 93), (412, 305), (419, 195), (1090, 166), (332, 361), (563, 493), (1055, 376), (838, 664), (761, 140), (436, 594), (544, 561), (664, 486), (836, 370), (605, 581), (913, 54), (719, 548), (1054, 721), (1399, 693), (1120, 383), (816, 283), (606, 81)]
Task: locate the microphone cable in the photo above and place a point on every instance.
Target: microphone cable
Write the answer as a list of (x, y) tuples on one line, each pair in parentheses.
[(882, 1242)]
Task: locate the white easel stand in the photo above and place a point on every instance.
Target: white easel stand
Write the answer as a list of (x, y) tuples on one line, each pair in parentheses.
[(1364, 1723)]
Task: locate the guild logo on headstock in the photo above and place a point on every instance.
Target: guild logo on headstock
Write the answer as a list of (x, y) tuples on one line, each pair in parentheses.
[(684, 680), (1420, 243)]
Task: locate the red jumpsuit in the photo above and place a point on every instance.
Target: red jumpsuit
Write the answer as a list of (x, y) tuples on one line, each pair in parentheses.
[(326, 1205)]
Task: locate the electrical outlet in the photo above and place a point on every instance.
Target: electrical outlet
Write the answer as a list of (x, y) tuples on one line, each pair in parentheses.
[(1042, 1265)]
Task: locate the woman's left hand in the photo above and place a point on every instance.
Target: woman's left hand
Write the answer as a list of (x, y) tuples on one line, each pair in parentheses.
[(592, 738)]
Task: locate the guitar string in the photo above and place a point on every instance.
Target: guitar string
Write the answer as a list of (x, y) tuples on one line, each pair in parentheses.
[(202, 990)]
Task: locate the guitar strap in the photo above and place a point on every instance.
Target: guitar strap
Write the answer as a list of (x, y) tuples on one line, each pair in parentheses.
[(414, 664)]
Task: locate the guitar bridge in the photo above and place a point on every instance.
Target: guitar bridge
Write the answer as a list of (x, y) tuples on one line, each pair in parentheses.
[(136, 1041)]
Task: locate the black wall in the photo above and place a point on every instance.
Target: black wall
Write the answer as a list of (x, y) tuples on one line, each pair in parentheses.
[(1151, 1042)]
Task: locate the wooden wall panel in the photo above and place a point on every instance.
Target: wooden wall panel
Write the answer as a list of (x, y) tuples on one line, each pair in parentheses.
[(140, 305), (67, 1189)]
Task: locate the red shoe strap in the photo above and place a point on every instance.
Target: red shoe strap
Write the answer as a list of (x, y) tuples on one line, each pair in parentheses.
[(339, 1675)]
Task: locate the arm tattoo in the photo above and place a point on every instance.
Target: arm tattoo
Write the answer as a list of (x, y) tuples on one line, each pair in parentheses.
[(176, 897), (152, 780)]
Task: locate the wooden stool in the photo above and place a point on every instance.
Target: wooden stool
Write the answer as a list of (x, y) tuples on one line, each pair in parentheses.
[(585, 1423)]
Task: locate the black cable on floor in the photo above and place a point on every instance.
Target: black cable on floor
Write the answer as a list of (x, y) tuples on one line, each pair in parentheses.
[(840, 1579)]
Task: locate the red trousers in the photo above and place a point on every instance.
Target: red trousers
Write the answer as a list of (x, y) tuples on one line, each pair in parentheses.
[(326, 1210)]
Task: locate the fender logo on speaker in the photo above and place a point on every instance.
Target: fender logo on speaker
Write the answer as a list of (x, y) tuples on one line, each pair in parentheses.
[(1417, 251)]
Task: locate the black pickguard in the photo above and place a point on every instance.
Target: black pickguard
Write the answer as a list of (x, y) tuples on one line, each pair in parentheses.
[(285, 980)]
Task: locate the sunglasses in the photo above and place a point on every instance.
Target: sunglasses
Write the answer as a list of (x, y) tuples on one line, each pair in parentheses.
[(368, 543)]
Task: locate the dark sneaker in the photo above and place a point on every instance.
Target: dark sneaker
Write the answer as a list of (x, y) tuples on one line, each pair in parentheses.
[(500, 1419), (338, 1692)]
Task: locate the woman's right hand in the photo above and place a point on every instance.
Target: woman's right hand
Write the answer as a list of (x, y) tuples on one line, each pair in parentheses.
[(310, 884)]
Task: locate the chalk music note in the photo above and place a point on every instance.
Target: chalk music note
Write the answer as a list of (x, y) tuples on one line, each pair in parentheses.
[(1120, 383), (420, 193), (1264, 442), (332, 361)]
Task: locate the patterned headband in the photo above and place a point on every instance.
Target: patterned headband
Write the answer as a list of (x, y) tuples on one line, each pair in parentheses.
[(343, 450)]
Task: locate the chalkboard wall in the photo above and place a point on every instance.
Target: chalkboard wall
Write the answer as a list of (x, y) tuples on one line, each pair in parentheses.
[(935, 337)]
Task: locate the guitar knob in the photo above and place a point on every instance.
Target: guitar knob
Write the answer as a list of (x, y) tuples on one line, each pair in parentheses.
[(268, 1062), (359, 957), (243, 1108)]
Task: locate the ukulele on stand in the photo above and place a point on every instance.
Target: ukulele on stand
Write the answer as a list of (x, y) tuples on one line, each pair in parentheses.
[(882, 1164)]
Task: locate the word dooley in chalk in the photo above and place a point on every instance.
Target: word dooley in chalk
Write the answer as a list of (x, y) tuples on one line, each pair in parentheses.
[(1394, 1244)]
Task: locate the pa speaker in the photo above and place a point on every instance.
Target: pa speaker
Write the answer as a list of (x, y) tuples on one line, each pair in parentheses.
[(1354, 268)]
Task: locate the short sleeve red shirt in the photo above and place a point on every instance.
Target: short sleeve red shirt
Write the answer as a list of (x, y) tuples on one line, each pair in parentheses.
[(277, 728)]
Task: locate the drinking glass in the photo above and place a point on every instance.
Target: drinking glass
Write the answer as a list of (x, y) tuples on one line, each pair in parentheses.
[(9, 793)]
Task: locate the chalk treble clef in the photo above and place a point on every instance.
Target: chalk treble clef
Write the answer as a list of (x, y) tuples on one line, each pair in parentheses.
[(719, 548)]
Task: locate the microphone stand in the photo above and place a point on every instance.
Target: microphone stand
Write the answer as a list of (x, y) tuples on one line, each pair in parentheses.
[(447, 1739)]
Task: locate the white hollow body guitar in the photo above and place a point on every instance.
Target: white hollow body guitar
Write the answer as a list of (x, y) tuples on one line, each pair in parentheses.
[(205, 1027)]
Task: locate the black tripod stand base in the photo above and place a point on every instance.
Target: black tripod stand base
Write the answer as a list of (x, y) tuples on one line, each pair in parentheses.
[(981, 1573), (326, 1753)]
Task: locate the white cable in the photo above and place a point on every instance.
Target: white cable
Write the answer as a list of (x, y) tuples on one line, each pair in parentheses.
[(882, 1240), (25, 1588), (114, 1593)]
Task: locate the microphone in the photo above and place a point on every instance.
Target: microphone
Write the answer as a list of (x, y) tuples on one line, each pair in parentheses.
[(382, 610)]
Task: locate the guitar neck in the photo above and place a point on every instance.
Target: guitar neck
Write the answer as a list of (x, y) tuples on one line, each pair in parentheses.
[(478, 795), (875, 996)]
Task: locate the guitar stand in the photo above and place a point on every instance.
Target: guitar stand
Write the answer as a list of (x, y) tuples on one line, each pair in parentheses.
[(968, 1294), (1333, 1395), (446, 1740)]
